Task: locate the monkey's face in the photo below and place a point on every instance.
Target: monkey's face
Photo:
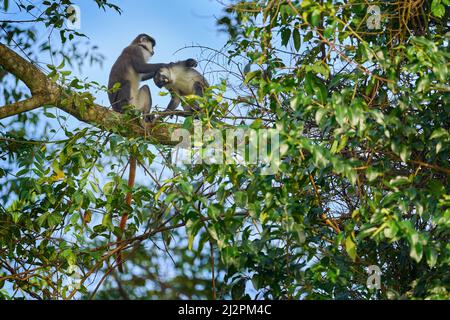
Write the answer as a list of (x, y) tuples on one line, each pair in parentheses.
[(147, 43), (162, 77)]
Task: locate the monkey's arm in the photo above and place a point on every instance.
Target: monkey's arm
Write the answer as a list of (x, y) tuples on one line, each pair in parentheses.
[(139, 64), (149, 69), (120, 98), (174, 103), (148, 76)]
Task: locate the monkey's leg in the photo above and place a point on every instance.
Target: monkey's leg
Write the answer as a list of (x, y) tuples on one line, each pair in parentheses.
[(198, 89), (174, 103), (120, 98), (192, 107), (144, 102)]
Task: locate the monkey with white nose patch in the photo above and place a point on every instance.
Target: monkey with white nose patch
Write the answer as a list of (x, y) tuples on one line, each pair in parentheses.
[(181, 79)]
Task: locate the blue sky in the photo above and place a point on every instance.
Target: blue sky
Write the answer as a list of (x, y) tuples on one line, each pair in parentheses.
[(173, 23)]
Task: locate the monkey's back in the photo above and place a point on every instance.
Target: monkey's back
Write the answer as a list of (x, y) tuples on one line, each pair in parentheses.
[(185, 78), (123, 73)]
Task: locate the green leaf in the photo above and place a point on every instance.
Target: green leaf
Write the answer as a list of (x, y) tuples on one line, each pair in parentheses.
[(191, 241), (438, 133), (350, 247), (108, 187), (436, 188), (54, 219), (188, 123), (416, 247), (99, 228), (431, 256), (257, 124), (41, 219), (322, 93), (399, 181), (316, 17), (391, 229), (255, 282), (215, 211), (402, 150), (320, 68), (49, 115), (61, 65), (22, 172), (437, 8), (251, 75), (297, 39), (238, 289), (70, 256), (341, 114), (107, 221), (320, 113), (372, 174), (285, 36), (241, 199)]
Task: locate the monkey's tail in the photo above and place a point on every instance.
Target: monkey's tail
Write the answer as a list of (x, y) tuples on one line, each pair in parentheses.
[(123, 220)]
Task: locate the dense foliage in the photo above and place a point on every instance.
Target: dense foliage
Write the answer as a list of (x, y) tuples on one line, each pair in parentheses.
[(361, 107)]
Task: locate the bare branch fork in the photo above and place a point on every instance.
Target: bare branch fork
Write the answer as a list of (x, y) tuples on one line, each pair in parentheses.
[(44, 92)]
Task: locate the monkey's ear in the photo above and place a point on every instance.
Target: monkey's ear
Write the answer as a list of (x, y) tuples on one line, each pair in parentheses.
[(191, 63)]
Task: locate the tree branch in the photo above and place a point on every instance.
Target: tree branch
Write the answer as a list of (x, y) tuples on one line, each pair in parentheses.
[(44, 92), (21, 106)]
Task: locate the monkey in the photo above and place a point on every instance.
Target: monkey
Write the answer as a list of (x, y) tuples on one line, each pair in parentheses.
[(129, 70), (181, 79)]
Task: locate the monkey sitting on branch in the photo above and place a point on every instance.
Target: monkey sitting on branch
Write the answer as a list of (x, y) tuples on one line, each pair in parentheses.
[(181, 79)]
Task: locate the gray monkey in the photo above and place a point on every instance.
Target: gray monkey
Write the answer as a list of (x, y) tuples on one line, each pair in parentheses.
[(181, 79)]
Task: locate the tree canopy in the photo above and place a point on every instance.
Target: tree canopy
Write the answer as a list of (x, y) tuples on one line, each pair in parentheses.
[(358, 94)]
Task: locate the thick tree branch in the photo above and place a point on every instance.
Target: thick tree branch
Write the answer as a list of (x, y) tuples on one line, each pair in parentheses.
[(44, 92), (21, 106)]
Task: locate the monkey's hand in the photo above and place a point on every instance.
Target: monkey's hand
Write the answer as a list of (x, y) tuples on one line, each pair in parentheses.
[(191, 63), (150, 118)]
